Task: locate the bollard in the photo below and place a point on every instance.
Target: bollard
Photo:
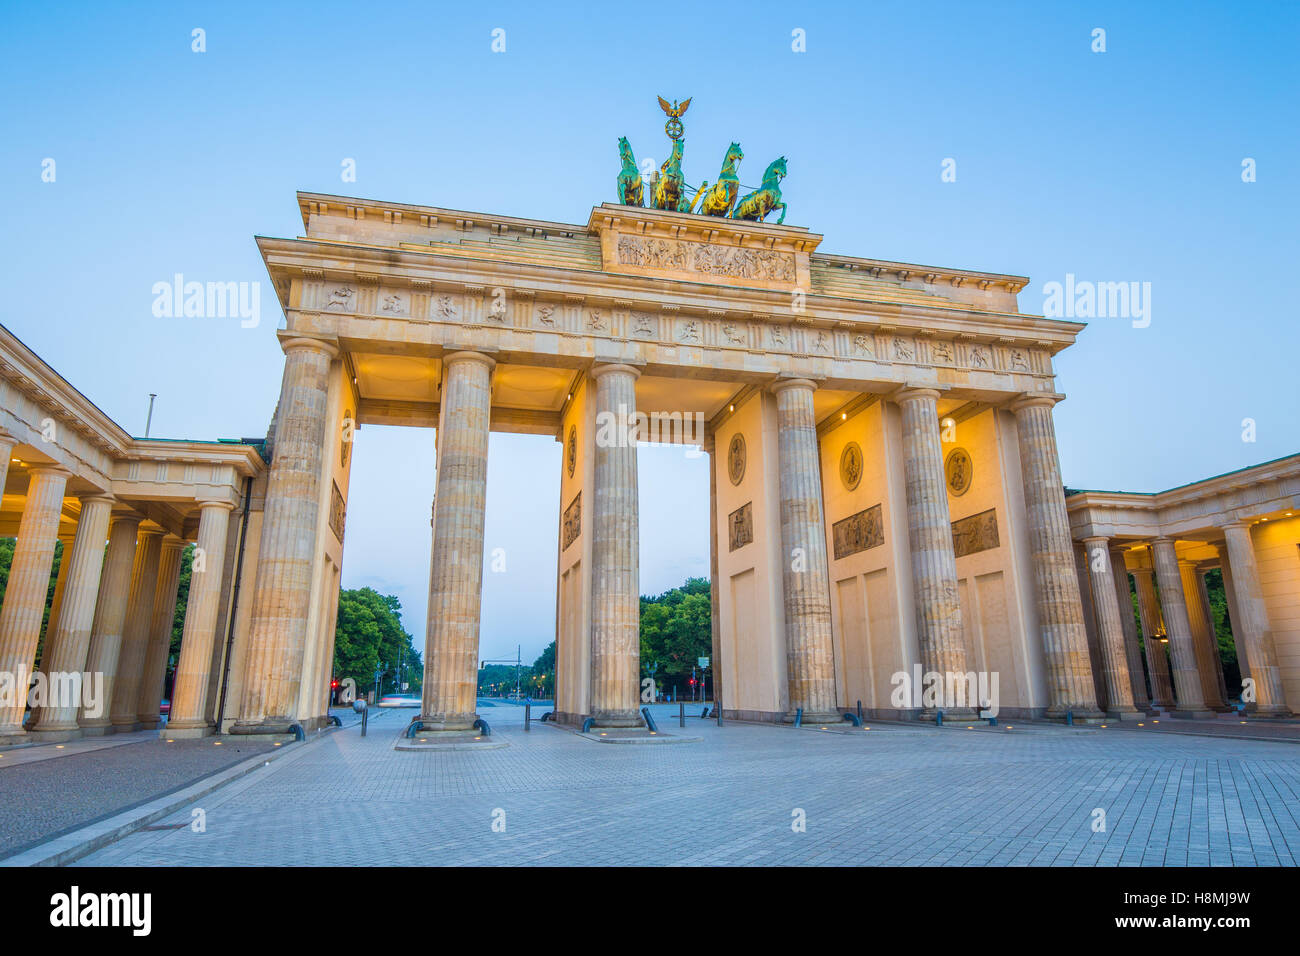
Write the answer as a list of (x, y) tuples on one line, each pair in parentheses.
[(528, 716), (681, 713), (717, 712), (359, 707), (1069, 718), (798, 716), (938, 718), (859, 712)]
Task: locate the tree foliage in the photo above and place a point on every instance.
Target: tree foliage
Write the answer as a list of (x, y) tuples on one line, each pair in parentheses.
[(676, 630), (369, 636)]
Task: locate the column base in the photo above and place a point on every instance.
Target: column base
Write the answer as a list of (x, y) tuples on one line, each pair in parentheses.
[(189, 732), (267, 725), (821, 718), (618, 719), (1278, 711), (96, 729), (1194, 715), (448, 724), (1080, 713), (55, 735), (148, 723), (1126, 715), (125, 727)]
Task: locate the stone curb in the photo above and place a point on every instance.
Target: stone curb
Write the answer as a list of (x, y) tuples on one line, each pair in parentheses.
[(95, 836)]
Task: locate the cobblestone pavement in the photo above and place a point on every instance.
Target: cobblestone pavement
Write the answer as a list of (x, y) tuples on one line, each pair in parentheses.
[(1019, 795), (42, 798)]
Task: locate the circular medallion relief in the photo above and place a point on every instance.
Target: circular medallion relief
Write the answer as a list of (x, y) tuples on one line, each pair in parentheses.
[(957, 469), (736, 458), (349, 427), (571, 449), (851, 465)]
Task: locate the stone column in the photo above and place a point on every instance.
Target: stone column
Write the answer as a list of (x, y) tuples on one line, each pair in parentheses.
[(1187, 677), (110, 620), (929, 534), (1162, 691), (715, 611), (154, 671), (1207, 656), (29, 583), (456, 578), (1234, 614), (277, 632), (1060, 611), (1216, 658), (135, 632), (615, 556), (1110, 629), (810, 656), (1124, 600), (68, 644), (1254, 627), (56, 602), (1090, 626), (190, 689)]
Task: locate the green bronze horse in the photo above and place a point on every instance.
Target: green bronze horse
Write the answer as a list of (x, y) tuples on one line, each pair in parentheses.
[(767, 197), (669, 191), (720, 198), (631, 192)]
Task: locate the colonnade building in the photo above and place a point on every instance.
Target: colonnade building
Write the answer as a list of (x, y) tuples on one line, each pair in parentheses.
[(885, 488)]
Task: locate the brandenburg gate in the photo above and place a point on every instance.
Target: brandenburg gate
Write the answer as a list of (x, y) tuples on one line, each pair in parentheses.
[(885, 488), (885, 491)]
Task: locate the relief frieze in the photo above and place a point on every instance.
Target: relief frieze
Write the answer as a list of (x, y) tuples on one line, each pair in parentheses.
[(707, 258)]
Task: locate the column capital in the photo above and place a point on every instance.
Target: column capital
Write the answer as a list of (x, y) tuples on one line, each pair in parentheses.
[(604, 368), (781, 384), (206, 503), (55, 470), (1035, 400), (910, 393), (1096, 539), (1236, 523), (468, 355), (96, 497), (290, 342)]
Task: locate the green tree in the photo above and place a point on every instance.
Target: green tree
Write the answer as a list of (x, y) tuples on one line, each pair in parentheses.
[(676, 630), (369, 635)]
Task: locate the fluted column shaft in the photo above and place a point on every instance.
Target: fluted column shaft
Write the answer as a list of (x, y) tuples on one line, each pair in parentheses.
[(1162, 690), (929, 533), (1056, 585), (110, 620), (1124, 600), (456, 578), (1254, 628), (135, 632), (1110, 628), (69, 643), (1216, 658), (29, 583), (1207, 655), (281, 605), (163, 617), (810, 659), (1234, 613), (190, 690), (56, 602), (615, 557), (1187, 676)]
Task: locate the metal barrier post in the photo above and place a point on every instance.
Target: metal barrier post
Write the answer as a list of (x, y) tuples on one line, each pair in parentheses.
[(681, 713), (528, 715)]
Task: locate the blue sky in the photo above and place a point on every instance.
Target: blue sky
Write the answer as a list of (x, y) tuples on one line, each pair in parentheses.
[(1115, 166)]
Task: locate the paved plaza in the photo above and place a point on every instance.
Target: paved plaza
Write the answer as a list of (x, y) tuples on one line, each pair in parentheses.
[(894, 794)]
